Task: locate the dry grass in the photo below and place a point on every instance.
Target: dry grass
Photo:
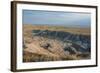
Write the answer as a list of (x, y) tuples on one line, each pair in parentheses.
[(36, 57), (83, 31)]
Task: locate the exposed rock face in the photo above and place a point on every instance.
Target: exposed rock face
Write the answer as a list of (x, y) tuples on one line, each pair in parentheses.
[(72, 43), (45, 45)]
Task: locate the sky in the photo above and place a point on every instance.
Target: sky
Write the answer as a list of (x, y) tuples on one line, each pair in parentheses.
[(56, 18)]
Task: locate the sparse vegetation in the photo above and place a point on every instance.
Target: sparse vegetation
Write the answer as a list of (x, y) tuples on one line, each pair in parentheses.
[(33, 57)]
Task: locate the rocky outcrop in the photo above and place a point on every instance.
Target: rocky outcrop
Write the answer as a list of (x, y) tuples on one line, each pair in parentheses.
[(72, 43)]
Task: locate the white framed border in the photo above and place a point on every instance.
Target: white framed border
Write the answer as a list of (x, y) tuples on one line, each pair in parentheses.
[(36, 65)]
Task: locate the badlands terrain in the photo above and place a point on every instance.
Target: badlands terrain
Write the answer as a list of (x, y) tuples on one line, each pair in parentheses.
[(55, 43)]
